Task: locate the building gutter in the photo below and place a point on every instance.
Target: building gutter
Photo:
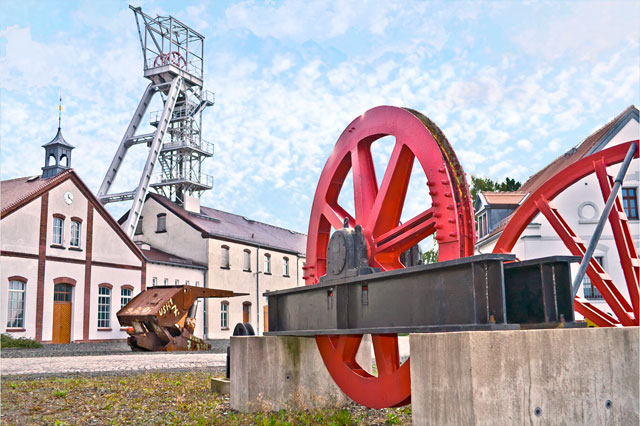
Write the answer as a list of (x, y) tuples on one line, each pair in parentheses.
[(257, 290)]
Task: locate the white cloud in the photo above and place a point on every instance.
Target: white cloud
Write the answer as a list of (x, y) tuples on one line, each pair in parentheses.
[(525, 145)]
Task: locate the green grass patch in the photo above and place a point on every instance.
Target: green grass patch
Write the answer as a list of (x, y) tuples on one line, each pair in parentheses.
[(7, 341), (159, 399)]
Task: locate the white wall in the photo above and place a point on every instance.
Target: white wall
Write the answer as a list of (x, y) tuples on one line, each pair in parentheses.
[(238, 280), (540, 241), (180, 239)]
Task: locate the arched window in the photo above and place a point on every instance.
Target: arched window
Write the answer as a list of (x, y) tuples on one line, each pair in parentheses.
[(64, 161), (126, 293), (267, 263), (285, 266), (104, 305), (247, 260), (76, 231), (224, 261), (58, 229), (224, 315), (51, 160), (15, 309)]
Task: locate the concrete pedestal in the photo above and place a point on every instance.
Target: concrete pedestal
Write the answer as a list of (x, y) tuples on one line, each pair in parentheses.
[(535, 377), (272, 373)]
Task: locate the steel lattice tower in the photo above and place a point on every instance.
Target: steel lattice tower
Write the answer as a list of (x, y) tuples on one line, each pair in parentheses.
[(173, 61)]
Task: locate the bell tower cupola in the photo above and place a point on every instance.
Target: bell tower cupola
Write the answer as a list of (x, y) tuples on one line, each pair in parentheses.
[(57, 152)]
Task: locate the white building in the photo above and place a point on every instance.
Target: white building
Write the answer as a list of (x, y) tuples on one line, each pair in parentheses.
[(580, 205), (66, 265), (240, 254)]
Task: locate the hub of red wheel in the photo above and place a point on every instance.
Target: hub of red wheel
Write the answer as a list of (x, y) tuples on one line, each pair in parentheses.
[(378, 208)]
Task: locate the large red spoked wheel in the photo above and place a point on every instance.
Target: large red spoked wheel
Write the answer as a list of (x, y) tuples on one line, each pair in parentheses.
[(378, 209), (625, 310)]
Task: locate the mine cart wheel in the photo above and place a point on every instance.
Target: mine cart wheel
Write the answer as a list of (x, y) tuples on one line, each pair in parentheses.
[(378, 209), (177, 59), (623, 306), (243, 329)]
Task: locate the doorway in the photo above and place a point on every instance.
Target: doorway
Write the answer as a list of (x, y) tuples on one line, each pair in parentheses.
[(61, 314), (246, 312)]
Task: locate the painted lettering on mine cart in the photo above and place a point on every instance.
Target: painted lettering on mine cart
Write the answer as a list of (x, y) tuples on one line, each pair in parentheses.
[(169, 307)]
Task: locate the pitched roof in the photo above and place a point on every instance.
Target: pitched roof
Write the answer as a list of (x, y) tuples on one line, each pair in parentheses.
[(154, 255), (578, 152), (15, 193), (504, 198), (217, 223)]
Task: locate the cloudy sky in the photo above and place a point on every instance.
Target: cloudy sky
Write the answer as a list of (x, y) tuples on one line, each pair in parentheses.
[(512, 85)]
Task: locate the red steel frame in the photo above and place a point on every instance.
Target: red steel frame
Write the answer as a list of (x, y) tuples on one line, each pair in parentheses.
[(626, 312), (378, 209)]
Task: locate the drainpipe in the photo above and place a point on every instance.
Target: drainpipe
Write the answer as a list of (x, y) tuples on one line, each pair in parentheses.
[(258, 290), (205, 321)]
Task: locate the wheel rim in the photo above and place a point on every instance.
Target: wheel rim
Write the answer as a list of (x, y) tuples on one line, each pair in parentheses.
[(625, 311), (378, 210)]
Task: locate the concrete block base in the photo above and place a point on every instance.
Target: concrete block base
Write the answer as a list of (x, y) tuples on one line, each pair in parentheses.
[(277, 372), (220, 386), (534, 377)]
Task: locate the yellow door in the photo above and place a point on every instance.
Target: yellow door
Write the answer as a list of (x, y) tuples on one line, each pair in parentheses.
[(61, 314)]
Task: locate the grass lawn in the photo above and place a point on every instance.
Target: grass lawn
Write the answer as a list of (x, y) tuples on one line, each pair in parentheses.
[(157, 399)]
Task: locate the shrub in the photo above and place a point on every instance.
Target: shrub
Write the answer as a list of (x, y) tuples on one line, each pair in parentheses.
[(10, 342)]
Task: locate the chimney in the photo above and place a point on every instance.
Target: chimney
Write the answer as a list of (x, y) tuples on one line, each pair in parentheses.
[(192, 204)]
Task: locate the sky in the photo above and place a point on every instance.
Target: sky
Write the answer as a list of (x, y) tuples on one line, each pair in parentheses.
[(512, 85)]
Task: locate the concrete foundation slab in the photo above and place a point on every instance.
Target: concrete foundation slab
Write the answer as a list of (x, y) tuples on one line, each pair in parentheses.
[(282, 372), (220, 386), (534, 377)]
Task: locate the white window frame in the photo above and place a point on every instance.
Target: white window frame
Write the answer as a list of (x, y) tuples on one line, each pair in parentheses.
[(58, 231), (285, 266), (104, 307), (267, 263), (224, 315), (154, 281), (124, 297), (76, 233), (16, 304), (166, 281)]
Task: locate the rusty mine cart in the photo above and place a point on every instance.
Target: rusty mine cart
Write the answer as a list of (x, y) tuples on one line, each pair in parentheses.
[(163, 318)]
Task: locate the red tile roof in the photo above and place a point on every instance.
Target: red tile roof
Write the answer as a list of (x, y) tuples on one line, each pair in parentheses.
[(576, 153), (504, 198), (14, 192)]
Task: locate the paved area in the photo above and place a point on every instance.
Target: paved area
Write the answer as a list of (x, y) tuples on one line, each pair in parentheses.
[(104, 364)]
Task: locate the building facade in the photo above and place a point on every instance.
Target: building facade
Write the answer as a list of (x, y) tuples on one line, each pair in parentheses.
[(240, 254), (580, 204), (66, 266)]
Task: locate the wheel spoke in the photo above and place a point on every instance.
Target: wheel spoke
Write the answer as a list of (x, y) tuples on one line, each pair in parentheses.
[(365, 184), (387, 208), (385, 348), (336, 214), (405, 236), (347, 347), (598, 317), (622, 235), (597, 275)]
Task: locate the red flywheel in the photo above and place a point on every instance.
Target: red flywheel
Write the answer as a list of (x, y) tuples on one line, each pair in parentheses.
[(378, 209), (624, 307)]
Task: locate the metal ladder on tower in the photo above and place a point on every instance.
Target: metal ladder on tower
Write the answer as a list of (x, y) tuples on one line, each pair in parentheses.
[(154, 140)]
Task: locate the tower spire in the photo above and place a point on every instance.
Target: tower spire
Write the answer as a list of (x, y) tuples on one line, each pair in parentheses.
[(59, 110)]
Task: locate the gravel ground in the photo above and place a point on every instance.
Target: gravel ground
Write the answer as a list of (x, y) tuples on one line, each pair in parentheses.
[(102, 348)]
